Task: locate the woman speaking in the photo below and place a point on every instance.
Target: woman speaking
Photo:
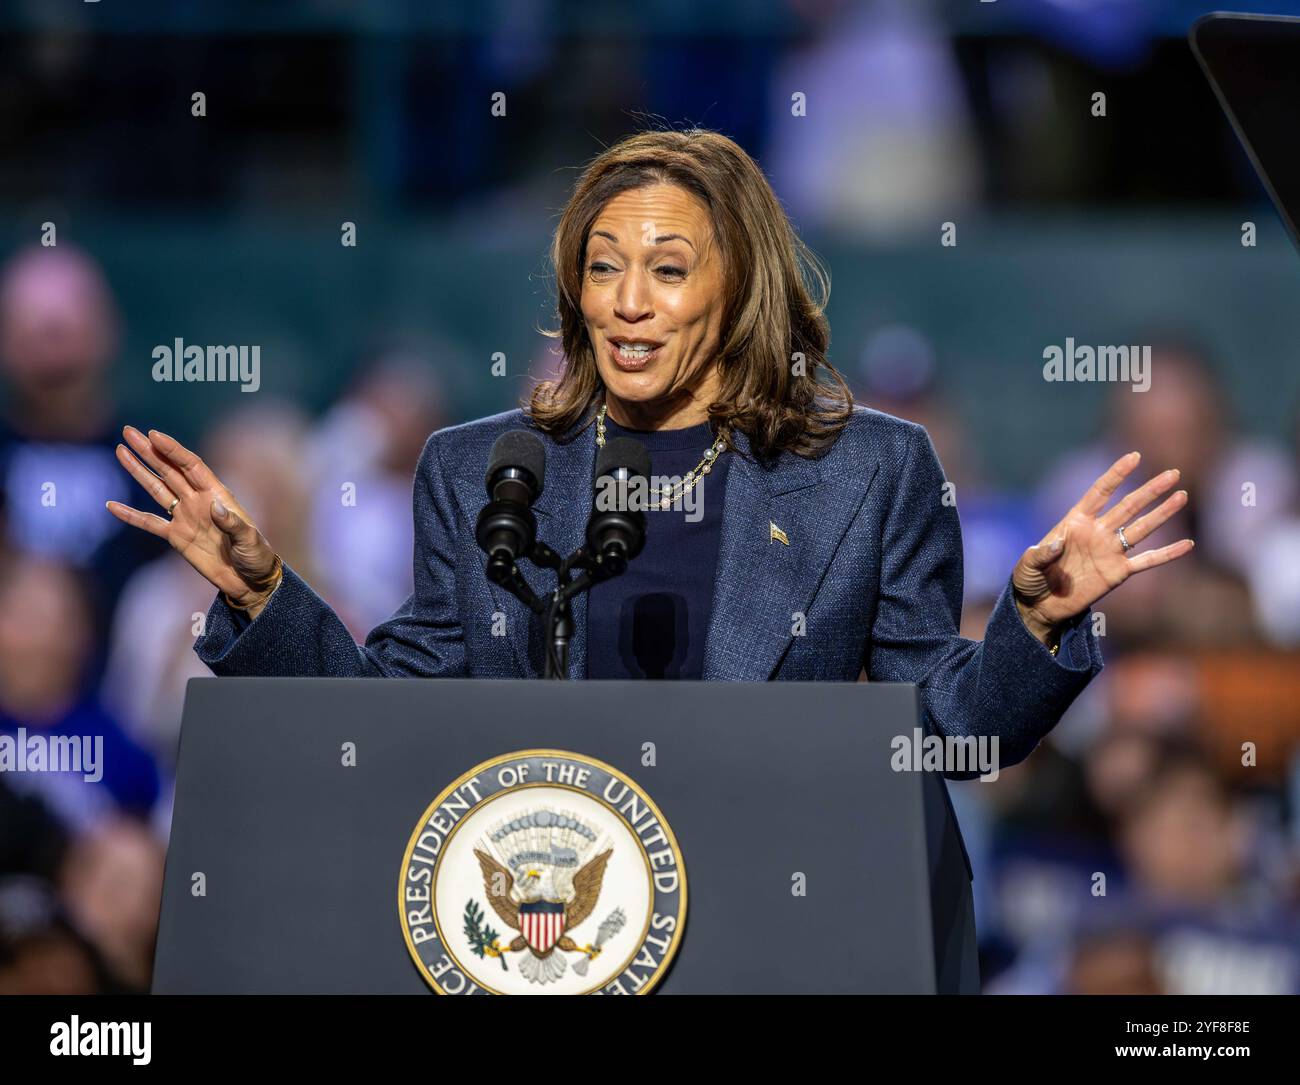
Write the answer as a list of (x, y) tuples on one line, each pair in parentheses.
[(825, 540)]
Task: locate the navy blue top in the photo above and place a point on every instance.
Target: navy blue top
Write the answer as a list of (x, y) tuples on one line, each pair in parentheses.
[(651, 621)]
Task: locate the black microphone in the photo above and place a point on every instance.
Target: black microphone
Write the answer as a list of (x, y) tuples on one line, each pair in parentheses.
[(506, 527), (615, 535)]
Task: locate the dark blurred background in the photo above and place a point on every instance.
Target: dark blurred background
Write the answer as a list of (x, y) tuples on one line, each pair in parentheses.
[(225, 229)]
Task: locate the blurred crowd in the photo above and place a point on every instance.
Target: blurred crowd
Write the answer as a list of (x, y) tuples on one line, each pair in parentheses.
[(97, 620), (1152, 843)]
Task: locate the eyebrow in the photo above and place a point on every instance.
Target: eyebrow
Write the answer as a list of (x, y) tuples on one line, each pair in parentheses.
[(658, 240)]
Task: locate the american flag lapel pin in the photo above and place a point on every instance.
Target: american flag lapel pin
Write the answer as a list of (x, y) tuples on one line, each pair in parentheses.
[(775, 533)]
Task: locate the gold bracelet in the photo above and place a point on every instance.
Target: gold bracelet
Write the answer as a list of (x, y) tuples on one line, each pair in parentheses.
[(277, 574)]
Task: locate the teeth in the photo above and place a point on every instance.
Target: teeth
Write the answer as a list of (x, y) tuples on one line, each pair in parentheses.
[(634, 348)]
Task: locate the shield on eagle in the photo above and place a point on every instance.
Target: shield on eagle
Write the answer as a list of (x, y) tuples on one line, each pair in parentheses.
[(539, 879), (541, 923)]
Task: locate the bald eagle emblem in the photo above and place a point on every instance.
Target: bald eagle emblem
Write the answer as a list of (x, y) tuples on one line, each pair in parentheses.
[(542, 874)]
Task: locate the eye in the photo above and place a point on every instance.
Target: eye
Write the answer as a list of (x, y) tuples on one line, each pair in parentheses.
[(599, 268), (669, 269)]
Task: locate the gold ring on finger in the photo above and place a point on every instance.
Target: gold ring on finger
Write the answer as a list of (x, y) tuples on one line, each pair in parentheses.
[(175, 501)]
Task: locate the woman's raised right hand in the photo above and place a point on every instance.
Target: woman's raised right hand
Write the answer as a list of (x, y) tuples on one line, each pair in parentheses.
[(208, 527)]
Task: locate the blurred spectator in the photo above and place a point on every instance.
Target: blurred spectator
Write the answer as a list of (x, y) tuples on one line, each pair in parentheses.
[(41, 953), (363, 458), (1119, 962), (1275, 582), (897, 372), (1275, 571), (1183, 840), (1152, 694), (1059, 819), (59, 331), (885, 142), (112, 883), (32, 839), (1192, 856), (151, 653), (1190, 910), (45, 641)]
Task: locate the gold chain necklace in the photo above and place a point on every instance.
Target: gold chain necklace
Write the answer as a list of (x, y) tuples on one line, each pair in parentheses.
[(663, 493)]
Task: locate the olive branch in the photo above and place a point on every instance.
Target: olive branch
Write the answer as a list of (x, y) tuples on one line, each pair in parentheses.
[(482, 939)]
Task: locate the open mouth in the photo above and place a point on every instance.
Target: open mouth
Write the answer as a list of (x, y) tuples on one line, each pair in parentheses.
[(633, 354)]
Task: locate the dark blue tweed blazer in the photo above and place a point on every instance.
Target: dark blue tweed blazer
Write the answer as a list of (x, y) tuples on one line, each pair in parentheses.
[(874, 563)]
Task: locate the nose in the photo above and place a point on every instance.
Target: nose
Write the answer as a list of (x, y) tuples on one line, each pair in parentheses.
[(632, 301)]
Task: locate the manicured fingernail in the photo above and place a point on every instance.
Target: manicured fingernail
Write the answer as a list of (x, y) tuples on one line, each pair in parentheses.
[(1056, 545), (218, 507)]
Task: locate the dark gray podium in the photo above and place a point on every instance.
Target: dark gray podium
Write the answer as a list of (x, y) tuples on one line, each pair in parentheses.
[(299, 854)]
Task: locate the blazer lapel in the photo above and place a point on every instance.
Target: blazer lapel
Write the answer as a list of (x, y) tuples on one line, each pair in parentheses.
[(561, 513), (761, 582)]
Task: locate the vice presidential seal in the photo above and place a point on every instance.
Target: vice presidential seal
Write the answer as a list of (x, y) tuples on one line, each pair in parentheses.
[(542, 872)]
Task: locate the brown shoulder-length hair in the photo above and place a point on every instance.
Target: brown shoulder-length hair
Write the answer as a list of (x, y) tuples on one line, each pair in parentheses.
[(774, 310)]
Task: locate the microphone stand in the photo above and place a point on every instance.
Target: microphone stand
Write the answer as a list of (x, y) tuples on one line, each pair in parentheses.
[(559, 623)]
